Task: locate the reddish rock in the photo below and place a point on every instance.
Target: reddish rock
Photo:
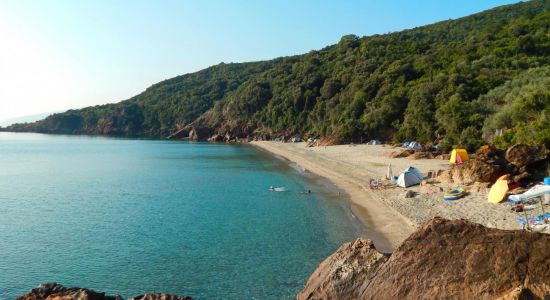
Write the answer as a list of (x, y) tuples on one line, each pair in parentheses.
[(442, 260), (462, 260), (487, 151), (473, 170), (54, 291), (521, 155), (346, 273)]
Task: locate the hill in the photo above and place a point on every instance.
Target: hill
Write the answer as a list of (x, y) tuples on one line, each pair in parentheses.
[(459, 78)]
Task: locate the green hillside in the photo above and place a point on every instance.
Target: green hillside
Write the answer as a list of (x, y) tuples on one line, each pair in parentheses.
[(461, 78)]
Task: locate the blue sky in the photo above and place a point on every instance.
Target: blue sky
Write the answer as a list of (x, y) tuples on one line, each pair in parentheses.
[(70, 54)]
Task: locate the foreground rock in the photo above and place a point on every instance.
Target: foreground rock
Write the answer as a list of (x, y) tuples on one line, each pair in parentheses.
[(346, 272), (54, 291), (442, 260)]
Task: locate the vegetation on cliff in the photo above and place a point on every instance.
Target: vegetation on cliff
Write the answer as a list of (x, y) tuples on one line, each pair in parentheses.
[(460, 78)]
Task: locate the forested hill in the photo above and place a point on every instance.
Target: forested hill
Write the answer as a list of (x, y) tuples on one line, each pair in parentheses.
[(460, 78)]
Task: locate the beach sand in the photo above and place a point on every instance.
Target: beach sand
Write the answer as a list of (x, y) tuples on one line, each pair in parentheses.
[(388, 216)]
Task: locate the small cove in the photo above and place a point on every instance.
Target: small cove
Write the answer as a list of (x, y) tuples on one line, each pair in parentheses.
[(130, 216)]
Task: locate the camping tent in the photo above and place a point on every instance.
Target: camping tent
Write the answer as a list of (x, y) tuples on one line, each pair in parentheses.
[(415, 146), (375, 142), (415, 171), (411, 176), (458, 156)]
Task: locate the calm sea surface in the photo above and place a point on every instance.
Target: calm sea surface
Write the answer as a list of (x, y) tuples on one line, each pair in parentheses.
[(133, 216)]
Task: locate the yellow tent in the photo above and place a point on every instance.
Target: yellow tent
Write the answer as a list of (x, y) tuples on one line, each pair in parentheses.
[(498, 190), (458, 156)]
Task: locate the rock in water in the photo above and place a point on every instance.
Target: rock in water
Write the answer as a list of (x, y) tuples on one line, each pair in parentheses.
[(442, 260), (54, 291), (346, 273)]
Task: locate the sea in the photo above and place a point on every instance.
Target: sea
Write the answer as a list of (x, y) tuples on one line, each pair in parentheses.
[(134, 216)]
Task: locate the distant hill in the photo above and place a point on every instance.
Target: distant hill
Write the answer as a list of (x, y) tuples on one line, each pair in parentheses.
[(24, 119), (459, 78)]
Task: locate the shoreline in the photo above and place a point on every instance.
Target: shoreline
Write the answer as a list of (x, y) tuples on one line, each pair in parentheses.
[(382, 224)]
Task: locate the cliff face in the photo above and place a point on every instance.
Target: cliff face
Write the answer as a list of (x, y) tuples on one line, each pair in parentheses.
[(54, 291), (442, 260)]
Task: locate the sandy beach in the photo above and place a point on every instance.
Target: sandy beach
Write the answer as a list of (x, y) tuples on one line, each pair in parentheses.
[(389, 216)]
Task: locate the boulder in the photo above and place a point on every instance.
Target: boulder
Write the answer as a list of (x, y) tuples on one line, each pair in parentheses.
[(521, 155), (346, 273), (473, 170), (463, 260), (54, 291), (442, 260), (410, 194), (487, 151)]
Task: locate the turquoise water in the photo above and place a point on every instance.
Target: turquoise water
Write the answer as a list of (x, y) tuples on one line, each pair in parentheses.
[(133, 216)]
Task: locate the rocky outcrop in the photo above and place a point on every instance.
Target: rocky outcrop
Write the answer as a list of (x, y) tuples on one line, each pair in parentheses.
[(54, 291), (524, 163), (473, 170), (442, 260), (521, 155), (345, 273)]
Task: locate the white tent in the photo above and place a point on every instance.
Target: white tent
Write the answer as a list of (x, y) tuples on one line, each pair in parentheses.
[(415, 146), (411, 176)]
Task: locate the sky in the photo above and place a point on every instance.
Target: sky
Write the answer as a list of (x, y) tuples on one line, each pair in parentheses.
[(63, 54)]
